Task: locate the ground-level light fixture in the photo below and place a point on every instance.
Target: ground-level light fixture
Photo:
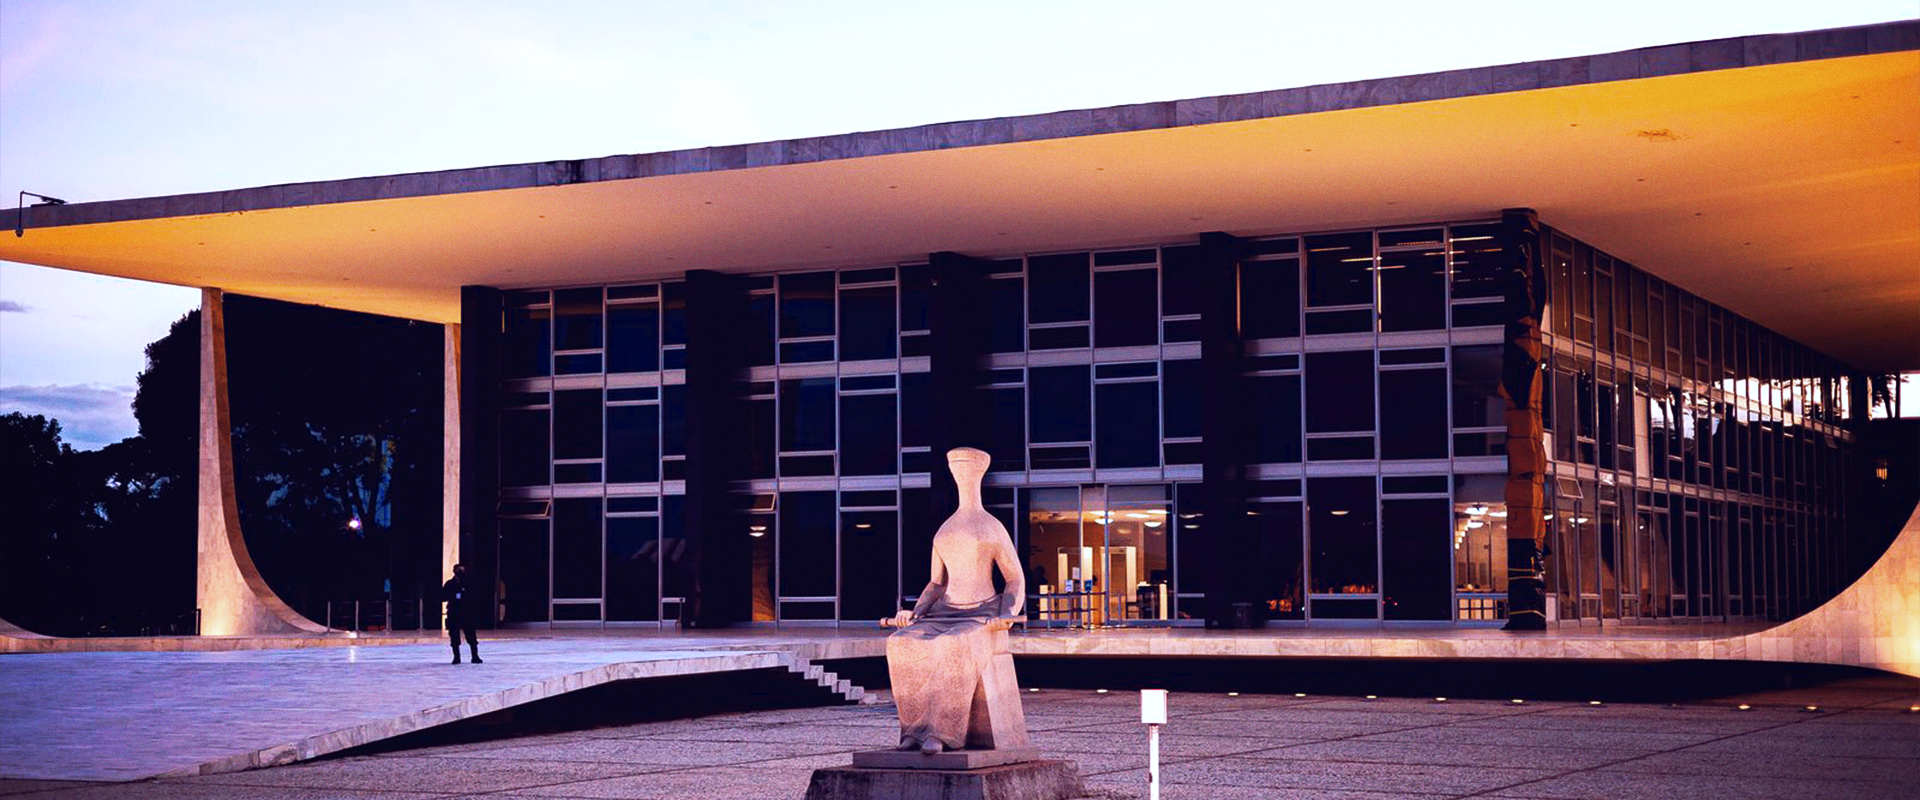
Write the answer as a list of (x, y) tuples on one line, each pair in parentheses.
[(353, 523)]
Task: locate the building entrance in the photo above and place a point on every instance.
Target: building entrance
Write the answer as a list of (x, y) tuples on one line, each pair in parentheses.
[(1100, 555)]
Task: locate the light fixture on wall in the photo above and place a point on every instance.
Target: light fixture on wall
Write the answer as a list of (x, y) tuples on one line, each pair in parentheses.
[(20, 209)]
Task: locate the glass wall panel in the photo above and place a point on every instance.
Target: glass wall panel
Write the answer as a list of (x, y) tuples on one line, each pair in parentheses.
[(808, 561), (524, 459), (869, 557), (1180, 392), (1414, 539), (1340, 269), (1339, 391), (576, 423), (1057, 288), (577, 548), (633, 444), (1126, 313), (1343, 534), (1061, 407), (633, 337), (633, 568), (806, 414), (576, 319), (1181, 291), (1281, 563), (867, 445), (758, 331), (806, 304), (1007, 315), (867, 323), (1009, 428), (1129, 431), (1057, 562), (1413, 290), (523, 570), (526, 346), (1138, 570), (1413, 413), (1270, 299), (1476, 387), (1277, 400)]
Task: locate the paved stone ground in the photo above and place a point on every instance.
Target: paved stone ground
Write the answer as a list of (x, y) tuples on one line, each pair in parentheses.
[(1861, 744)]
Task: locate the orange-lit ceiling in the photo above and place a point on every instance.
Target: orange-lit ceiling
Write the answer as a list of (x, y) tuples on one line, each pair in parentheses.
[(1789, 193)]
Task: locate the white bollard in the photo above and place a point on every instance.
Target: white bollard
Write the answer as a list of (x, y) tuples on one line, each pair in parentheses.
[(1153, 712)]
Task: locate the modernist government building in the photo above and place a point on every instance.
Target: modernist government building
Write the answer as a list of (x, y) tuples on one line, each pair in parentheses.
[(1565, 343)]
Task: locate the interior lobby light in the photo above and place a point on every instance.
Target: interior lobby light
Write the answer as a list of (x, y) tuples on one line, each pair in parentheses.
[(1497, 514), (1135, 515), (1340, 513), (1153, 524), (1476, 510)]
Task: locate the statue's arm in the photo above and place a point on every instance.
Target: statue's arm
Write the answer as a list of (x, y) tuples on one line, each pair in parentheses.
[(1013, 599), (936, 585)]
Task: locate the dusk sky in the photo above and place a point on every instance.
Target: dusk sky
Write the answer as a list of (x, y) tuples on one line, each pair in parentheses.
[(111, 100)]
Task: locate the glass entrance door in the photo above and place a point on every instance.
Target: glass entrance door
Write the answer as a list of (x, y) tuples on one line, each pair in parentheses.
[(1099, 555)]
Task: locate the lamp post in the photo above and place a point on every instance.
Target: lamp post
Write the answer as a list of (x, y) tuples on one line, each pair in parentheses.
[(1153, 712), (20, 209)]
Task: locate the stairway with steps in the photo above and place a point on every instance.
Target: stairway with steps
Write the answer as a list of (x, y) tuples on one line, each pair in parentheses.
[(829, 681)]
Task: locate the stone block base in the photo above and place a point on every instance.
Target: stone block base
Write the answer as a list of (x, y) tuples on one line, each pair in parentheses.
[(947, 759), (1026, 780)]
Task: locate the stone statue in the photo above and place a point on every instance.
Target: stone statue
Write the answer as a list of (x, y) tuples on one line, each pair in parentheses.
[(952, 676)]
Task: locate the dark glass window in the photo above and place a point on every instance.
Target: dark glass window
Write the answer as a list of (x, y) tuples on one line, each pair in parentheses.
[(1180, 392), (914, 390), (576, 424), (1183, 290), (576, 547), (1416, 579), (576, 319), (633, 338), (633, 577), (1061, 407), (1340, 269), (1009, 418), (1068, 338), (808, 565), (1339, 391), (523, 569), (1476, 261), (1276, 415), (673, 313), (526, 349), (1413, 291), (915, 285), (806, 304), (918, 522), (633, 444), (1129, 431), (1413, 414), (757, 331), (677, 563), (1283, 582), (673, 420), (806, 414), (1126, 312), (523, 448), (1342, 529), (1057, 288), (866, 324), (1007, 320), (1270, 299), (760, 445), (867, 431), (869, 560), (1476, 387)]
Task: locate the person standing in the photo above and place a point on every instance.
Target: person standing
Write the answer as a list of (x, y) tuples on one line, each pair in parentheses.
[(459, 615)]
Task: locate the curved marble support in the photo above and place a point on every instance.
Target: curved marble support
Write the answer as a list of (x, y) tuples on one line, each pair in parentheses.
[(1874, 623), (232, 595)]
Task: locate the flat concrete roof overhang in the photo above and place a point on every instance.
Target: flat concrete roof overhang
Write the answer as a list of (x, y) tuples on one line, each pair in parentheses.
[(1776, 175)]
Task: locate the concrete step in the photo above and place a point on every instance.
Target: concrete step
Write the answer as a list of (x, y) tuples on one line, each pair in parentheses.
[(829, 681)]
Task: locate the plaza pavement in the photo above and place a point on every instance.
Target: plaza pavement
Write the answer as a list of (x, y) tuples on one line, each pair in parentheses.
[(1861, 744)]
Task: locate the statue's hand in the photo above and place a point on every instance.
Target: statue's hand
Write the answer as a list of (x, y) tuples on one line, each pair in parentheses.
[(1003, 623), (899, 620)]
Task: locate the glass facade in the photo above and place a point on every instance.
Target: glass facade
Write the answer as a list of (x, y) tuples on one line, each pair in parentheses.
[(1697, 459)]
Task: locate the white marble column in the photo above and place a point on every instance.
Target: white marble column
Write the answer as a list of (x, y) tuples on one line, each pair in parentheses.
[(450, 455), (233, 598)]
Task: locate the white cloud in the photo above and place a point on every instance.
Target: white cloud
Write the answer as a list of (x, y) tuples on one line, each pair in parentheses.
[(91, 416)]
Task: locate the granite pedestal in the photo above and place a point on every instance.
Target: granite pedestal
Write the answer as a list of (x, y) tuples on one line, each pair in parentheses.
[(1045, 779)]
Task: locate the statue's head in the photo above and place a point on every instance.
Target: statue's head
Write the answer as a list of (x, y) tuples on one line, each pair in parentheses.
[(968, 462)]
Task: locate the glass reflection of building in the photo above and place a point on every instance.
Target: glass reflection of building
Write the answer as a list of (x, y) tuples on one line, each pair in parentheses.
[(1697, 459)]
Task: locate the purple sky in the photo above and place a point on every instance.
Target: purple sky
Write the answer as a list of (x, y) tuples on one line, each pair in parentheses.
[(122, 99)]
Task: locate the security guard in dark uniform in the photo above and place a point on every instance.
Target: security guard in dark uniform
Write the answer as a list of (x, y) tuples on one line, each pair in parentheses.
[(459, 617)]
